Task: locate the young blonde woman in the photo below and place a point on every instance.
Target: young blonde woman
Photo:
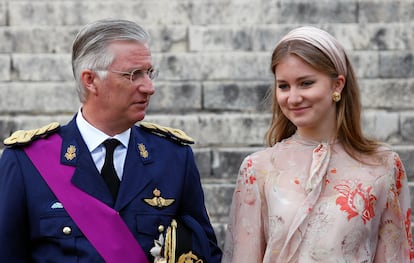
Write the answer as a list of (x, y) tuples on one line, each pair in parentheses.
[(321, 191)]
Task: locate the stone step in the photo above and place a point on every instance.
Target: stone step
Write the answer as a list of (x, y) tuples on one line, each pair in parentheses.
[(212, 38), (165, 12)]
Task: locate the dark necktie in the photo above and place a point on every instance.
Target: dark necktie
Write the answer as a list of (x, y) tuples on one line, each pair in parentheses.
[(108, 170)]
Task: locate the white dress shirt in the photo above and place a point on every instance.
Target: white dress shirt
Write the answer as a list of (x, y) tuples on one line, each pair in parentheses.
[(94, 139)]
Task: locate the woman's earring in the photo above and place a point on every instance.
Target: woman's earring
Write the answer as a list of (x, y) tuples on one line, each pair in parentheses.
[(336, 96)]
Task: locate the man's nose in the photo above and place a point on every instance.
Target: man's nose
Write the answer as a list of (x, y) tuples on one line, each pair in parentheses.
[(147, 86)]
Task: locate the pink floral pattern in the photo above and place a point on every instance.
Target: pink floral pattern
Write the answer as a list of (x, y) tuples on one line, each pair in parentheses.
[(305, 202), (408, 231), (400, 174)]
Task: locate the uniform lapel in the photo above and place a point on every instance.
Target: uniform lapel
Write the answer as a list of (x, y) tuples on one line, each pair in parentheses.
[(86, 177), (137, 168)]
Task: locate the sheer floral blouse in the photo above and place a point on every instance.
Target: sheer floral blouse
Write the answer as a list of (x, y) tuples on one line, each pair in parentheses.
[(303, 201)]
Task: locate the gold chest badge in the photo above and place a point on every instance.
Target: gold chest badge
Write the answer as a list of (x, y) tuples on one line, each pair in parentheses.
[(158, 201)]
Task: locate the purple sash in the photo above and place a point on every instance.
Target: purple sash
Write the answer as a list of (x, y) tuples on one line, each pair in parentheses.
[(101, 225)]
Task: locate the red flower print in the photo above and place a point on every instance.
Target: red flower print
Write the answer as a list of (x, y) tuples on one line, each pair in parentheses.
[(355, 200), (296, 181), (409, 234), (400, 174), (247, 173), (251, 179)]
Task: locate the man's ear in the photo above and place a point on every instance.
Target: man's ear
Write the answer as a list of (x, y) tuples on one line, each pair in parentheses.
[(88, 79)]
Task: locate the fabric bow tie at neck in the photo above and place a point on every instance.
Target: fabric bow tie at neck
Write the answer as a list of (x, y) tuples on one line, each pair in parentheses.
[(321, 156), (108, 170)]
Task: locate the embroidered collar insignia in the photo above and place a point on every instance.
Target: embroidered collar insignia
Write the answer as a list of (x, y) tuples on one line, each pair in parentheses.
[(70, 153), (158, 201), (142, 151)]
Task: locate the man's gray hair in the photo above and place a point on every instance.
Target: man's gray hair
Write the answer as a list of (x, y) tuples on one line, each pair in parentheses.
[(90, 47)]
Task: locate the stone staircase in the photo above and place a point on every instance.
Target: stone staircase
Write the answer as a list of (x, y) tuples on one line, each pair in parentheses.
[(214, 59)]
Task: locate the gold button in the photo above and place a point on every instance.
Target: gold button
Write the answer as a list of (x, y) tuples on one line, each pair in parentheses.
[(67, 230), (160, 228)]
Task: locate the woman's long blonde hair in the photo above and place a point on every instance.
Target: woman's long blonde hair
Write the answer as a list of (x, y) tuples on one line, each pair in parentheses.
[(348, 109)]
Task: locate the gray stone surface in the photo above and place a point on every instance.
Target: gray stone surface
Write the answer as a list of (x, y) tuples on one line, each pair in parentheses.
[(42, 67), (382, 125), (397, 94), (214, 60), (5, 67), (3, 13), (407, 127), (386, 11), (176, 97), (396, 64), (242, 96), (35, 98)]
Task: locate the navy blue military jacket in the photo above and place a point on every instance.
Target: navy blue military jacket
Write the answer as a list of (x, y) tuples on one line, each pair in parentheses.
[(34, 226)]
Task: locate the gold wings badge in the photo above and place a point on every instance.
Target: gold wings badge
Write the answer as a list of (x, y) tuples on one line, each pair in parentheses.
[(158, 201)]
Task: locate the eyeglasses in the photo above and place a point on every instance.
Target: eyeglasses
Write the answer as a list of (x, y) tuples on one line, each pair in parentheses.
[(137, 74)]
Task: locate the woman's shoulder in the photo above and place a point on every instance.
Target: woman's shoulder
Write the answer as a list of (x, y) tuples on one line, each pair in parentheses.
[(384, 156), (386, 151), (265, 156), (258, 153)]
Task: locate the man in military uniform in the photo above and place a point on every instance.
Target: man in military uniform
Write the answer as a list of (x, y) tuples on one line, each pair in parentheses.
[(101, 188)]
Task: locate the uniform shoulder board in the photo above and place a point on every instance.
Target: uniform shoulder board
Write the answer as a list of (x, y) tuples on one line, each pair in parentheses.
[(24, 137), (175, 134)]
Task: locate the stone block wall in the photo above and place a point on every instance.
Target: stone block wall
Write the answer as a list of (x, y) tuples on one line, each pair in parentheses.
[(214, 59)]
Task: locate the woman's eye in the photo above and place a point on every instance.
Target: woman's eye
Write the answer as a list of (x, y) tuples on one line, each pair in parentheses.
[(307, 83), (282, 86)]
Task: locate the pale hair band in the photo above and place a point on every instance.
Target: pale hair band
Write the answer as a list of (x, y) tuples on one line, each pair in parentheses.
[(323, 41)]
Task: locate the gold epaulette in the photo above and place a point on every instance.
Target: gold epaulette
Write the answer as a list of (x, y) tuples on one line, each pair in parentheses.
[(175, 134), (23, 137)]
